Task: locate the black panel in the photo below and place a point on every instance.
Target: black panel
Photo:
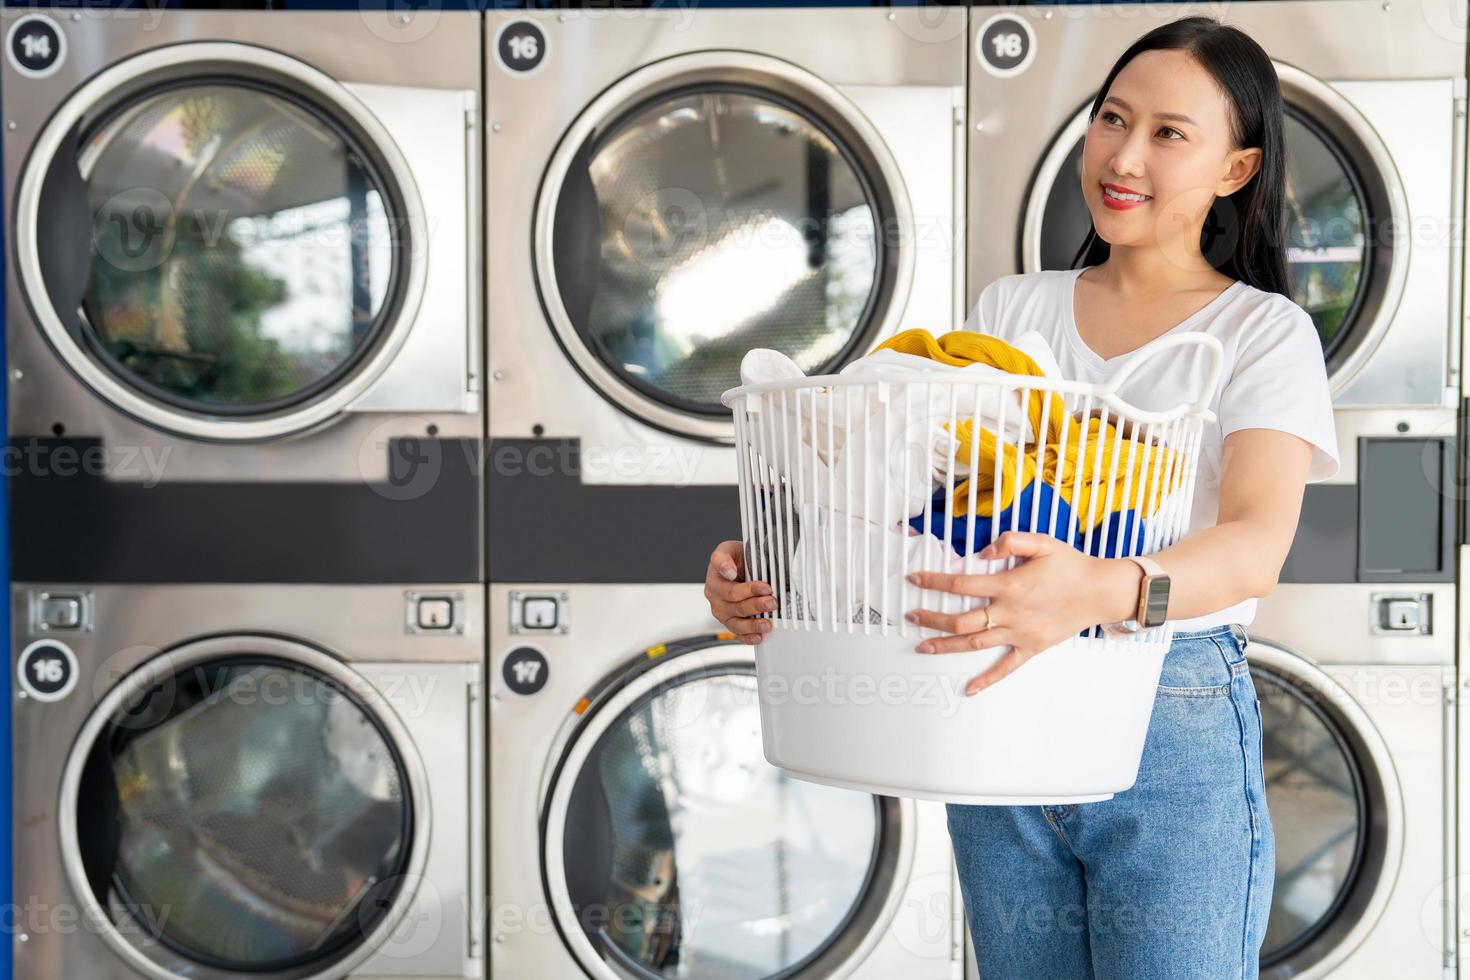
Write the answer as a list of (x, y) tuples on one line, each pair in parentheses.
[(1396, 524), (1325, 548), (69, 524), (545, 525), (1406, 516)]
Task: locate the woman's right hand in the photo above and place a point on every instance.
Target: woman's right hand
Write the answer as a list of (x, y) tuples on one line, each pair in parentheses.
[(733, 602)]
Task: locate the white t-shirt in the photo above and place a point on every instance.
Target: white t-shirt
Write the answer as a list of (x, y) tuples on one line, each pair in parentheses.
[(1273, 376)]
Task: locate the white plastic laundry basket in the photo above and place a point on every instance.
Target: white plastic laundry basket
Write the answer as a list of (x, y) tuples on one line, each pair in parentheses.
[(832, 472)]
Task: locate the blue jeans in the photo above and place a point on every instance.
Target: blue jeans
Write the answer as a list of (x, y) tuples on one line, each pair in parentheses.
[(1171, 878)]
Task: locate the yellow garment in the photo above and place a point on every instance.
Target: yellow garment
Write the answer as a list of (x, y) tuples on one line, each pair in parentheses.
[(963, 347)]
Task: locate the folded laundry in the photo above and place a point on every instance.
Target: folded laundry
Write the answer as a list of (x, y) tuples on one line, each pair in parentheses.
[(1030, 354), (1097, 473), (870, 466), (1076, 459), (1036, 508)]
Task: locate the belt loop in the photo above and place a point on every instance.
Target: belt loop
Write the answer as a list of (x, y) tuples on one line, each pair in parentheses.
[(1241, 636)]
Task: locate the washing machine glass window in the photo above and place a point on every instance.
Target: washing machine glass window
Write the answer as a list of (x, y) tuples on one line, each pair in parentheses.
[(1326, 229), (687, 855), (246, 245), (711, 219), (1336, 193), (1318, 795), (249, 811)]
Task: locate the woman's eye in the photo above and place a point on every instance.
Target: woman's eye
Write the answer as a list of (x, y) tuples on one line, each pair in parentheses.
[(1108, 116)]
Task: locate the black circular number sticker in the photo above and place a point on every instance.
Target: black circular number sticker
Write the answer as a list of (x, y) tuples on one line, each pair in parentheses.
[(521, 47), (35, 46), (47, 670), (1005, 45), (525, 670)]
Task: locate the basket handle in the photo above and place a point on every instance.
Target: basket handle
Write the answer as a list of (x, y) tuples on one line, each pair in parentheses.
[(1166, 342)]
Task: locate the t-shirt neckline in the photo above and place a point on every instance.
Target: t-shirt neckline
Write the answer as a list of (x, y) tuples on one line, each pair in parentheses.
[(1092, 357)]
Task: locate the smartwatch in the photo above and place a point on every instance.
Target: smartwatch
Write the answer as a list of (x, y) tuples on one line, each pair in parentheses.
[(1153, 599)]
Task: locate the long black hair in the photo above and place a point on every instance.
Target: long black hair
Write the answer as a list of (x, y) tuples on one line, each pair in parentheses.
[(1244, 235)]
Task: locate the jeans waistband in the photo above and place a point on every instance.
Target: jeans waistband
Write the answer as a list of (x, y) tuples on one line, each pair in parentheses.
[(1208, 631)]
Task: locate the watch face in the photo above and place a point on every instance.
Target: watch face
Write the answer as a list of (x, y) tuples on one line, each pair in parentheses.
[(1156, 605)]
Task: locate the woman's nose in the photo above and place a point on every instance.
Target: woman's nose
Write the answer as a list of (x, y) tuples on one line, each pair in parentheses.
[(1128, 160), (1126, 164)]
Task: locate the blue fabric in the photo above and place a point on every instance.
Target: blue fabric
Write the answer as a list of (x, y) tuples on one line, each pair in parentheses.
[(1107, 539), (1172, 877)]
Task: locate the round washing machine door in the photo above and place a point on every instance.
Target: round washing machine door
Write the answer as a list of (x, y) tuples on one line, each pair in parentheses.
[(247, 237), (243, 805), (708, 204), (1336, 811), (672, 849), (1341, 187)]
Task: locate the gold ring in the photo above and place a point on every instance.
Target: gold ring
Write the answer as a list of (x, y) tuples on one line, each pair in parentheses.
[(989, 624)]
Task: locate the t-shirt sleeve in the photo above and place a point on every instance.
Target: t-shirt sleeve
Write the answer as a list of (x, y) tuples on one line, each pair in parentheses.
[(985, 317), (1279, 381)]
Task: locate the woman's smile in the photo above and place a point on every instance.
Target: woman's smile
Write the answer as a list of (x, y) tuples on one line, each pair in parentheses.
[(1118, 198)]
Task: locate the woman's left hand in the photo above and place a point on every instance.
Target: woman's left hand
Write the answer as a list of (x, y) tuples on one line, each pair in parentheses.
[(1052, 596)]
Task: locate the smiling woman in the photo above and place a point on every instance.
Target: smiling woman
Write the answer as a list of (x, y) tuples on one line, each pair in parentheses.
[(1174, 876)]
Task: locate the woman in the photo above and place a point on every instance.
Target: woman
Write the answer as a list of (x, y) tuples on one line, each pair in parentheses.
[(1173, 877)]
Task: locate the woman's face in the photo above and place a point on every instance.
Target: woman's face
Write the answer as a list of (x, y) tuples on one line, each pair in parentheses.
[(1163, 130)]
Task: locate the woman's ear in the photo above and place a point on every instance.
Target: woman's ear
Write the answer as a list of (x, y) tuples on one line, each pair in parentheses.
[(1243, 165)]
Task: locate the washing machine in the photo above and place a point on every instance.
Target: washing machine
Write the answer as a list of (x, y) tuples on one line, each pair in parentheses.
[(636, 830), (243, 294), (1375, 116), (1357, 687), (1357, 697), (666, 191), (214, 781)]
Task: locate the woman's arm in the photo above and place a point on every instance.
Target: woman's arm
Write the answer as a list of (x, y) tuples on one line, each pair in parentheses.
[(1263, 478)]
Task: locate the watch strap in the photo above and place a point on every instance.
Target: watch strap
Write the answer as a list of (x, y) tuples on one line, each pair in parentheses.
[(1149, 566)]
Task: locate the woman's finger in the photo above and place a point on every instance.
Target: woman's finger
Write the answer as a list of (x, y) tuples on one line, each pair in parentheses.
[(733, 592), (996, 636), (747, 609), (988, 585), (741, 591), (744, 625), (728, 560), (752, 639), (1001, 668), (754, 605), (970, 621)]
